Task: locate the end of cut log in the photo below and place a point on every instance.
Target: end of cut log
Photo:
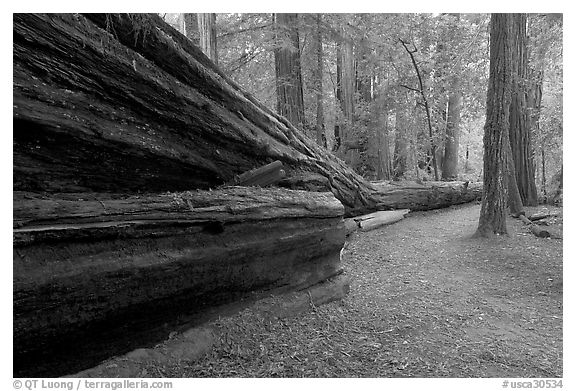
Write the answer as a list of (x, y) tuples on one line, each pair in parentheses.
[(378, 219), (536, 230), (262, 176)]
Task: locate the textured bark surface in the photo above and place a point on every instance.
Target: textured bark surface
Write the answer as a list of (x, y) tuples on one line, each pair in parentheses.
[(289, 92), (400, 164), (87, 266), (317, 73), (520, 132), (452, 141), (99, 112), (493, 211), (207, 33), (428, 195)]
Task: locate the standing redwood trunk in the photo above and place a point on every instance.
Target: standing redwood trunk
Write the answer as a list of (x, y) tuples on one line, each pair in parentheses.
[(493, 211), (452, 139), (514, 199), (520, 133), (338, 94), (207, 30), (190, 22), (347, 82), (384, 169), (289, 93), (318, 73), (400, 163)]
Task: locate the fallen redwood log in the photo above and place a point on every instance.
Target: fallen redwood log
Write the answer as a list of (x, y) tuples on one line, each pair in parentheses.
[(88, 267), (427, 195), (543, 215), (536, 230), (377, 219), (125, 103)]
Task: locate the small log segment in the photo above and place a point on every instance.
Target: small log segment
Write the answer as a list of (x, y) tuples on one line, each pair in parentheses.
[(536, 230), (542, 216), (377, 219), (88, 267), (262, 176), (374, 220)]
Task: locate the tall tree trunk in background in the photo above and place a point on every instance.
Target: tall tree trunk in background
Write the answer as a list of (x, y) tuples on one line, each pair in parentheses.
[(190, 28), (347, 83), (207, 35), (515, 204), (289, 92), (520, 132), (400, 164), (384, 169), (534, 101), (432, 152), (544, 192), (493, 211), (338, 93), (452, 140), (318, 85)]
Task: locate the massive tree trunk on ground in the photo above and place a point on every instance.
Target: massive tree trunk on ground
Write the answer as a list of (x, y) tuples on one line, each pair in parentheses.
[(104, 121), (207, 34), (87, 266), (520, 132), (289, 92), (105, 112), (493, 211), (412, 195)]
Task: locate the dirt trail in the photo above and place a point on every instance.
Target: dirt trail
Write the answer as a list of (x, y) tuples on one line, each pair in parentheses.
[(426, 300)]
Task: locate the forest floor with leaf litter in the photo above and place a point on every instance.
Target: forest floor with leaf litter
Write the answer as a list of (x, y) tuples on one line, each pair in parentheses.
[(426, 300)]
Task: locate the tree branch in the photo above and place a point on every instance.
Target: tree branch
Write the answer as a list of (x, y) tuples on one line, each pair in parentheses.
[(410, 88)]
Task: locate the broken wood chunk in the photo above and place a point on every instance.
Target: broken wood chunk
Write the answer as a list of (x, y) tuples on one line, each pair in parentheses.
[(262, 176), (536, 230), (375, 220)]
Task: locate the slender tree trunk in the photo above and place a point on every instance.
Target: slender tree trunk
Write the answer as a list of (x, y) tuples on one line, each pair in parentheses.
[(318, 73), (452, 137), (207, 30), (347, 82), (520, 133), (338, 122), (452, 141), (289, 92), (400, 164), (384, 169), (426, 108), (544, 193), (493, 211), (190, 22)]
